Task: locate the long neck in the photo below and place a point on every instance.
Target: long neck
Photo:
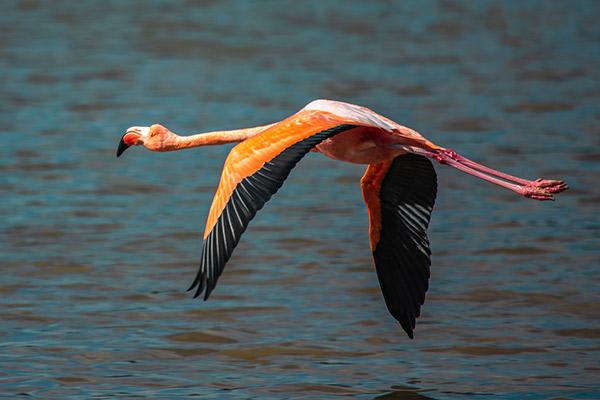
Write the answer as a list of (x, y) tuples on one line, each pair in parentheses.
[(218, 137)]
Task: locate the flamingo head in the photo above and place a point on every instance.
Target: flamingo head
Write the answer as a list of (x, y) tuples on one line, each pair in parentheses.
[(155, 138)]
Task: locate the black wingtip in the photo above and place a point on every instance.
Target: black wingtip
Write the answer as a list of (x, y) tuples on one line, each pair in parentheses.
[(406, 326), (201, 283), (209, 289), (195, 283), (198, 291)]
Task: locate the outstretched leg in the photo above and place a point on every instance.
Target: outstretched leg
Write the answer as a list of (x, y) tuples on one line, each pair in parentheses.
[(551, 186), (540, 189)]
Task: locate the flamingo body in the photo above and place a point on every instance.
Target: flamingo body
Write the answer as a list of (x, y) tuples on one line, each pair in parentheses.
[(399, 188)]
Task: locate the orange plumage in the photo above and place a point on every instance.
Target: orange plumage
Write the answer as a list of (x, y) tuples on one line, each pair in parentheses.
[(399, 188)]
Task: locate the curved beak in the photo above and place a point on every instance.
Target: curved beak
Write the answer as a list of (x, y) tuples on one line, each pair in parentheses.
[(122, 146)]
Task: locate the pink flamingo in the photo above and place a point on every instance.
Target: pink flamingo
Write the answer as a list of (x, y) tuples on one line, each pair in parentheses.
[(399, 187)]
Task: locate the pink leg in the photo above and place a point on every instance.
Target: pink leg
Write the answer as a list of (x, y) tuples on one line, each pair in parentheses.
[(527, 191), (539, 189), (551, 186)]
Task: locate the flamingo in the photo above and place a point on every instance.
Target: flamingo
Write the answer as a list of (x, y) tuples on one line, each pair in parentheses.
[(399, 188)]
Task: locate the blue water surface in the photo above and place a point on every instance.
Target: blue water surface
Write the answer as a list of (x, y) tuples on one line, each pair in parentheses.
[(95, 252)]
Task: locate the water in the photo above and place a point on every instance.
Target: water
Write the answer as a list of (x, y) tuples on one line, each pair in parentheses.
[(96, 252)]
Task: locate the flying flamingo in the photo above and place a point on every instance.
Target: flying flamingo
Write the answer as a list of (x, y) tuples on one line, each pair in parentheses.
[(399, 188)]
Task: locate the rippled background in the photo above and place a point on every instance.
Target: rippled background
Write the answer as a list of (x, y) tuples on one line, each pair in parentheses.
[(95, 252)]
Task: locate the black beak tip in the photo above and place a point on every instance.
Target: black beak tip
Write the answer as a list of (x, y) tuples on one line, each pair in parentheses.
[(122, 147)]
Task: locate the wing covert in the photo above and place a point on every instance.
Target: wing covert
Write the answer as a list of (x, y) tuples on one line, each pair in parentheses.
[(245, 197)]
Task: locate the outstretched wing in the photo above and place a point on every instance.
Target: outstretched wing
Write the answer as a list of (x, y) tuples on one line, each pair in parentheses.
[(400, 195), (254, 170)]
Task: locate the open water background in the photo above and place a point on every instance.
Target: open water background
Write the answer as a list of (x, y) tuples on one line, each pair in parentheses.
[(95, 252)]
